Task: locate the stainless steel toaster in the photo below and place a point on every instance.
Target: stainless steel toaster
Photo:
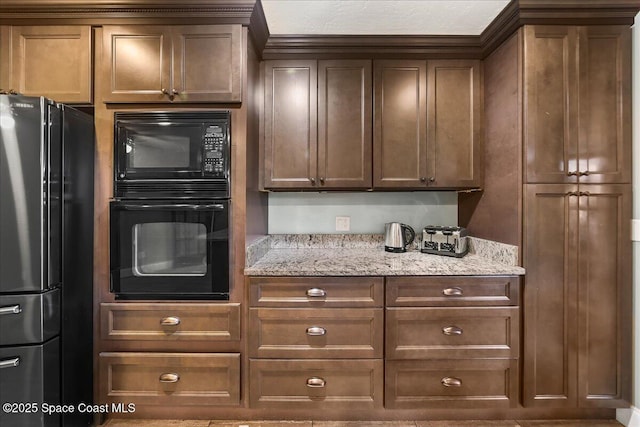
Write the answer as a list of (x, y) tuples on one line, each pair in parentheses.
[(448, 241)]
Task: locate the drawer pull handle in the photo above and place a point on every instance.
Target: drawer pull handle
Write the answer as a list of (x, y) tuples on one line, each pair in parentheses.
[(316, 331), (452, 330), (11, 309), (452, 292), (451, 382), (10, 363), (316, 382), (316, 293), (169, 378), (170, 321)]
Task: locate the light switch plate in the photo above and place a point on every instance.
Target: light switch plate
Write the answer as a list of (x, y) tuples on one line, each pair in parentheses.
[(343, 223), (635, 230)]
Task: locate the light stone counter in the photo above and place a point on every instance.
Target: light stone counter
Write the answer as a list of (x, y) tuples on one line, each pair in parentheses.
[(364, 255)]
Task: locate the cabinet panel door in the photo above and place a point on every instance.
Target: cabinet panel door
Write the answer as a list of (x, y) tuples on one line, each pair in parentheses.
[(550, 295), (207, 63), (344, 124), (290, 124), (170, 379), (454, 99), (550, 115), (316, 332), (452, 333), (136, 63), (437, 384), (604, 296), (316, 384), (400, 124), (52, 61), (604, 143)]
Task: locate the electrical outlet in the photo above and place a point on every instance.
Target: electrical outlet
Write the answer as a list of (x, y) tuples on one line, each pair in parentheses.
[(343, 223), (635, 229)]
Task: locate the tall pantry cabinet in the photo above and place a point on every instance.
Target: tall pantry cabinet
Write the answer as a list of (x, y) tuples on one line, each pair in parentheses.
[(577, 211), (569, 205)]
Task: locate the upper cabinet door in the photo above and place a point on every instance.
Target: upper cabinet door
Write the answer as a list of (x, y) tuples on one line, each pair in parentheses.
[(604, 143), (577, 117), (51, 61), (136, 63), (550, 109), (400, 124), (290, 124), (344, 124), (454, 124), (207, 63), (145, 63)]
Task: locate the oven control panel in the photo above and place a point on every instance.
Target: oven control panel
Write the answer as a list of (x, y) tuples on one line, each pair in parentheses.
[(214, 157)]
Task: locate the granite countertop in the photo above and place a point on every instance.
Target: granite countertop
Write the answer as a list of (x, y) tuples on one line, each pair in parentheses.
[(364, 255)]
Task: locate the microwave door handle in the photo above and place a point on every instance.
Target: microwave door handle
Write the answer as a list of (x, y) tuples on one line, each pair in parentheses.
[(215, 207)]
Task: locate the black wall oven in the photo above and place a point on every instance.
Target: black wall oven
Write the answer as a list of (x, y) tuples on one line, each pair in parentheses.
[(169, 231), (170, 250)]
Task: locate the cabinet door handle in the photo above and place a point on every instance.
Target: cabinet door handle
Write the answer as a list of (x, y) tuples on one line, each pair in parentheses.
[(452, 292), (572, 173), (11, 309), (451, 382), (322, 180), (585, 173), (452, 330), (316, 293), (571, 193), (584, 193), (170, 321), (316, 382), (432, 179), (423, 179), (169, 378), (10, 363), (316, 331), (313, 181)]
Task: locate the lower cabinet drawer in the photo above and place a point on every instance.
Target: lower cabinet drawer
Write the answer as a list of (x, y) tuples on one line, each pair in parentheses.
[(170, 378), (473, 383), (308, 384), (345, 333), (452, 332), (170, 321)]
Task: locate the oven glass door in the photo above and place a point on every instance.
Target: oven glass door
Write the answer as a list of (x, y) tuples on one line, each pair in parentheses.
[(170, 250), (159, 150)]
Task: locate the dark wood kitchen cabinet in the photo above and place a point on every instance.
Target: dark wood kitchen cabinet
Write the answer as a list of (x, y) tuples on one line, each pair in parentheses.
[(427, 124), (577, 341), (51, 61), (317, 124), (444, 347), (577, 104), (316, 341), (196, 63)]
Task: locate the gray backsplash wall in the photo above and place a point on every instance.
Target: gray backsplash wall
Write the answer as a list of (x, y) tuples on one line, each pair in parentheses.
[(315, 213)]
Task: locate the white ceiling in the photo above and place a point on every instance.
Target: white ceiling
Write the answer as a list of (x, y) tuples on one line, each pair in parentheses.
[(388, 17)]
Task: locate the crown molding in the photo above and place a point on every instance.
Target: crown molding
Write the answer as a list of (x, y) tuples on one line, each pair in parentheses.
[(96, 12), (250, 13)]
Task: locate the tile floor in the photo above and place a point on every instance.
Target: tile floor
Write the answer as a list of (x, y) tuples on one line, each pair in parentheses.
[(480, 423)]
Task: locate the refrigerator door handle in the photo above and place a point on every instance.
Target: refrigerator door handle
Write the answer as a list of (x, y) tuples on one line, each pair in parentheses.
[(11, 309), (10, 363)]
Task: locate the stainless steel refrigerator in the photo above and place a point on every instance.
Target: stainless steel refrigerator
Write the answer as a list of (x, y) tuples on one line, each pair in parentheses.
[(46, 262)]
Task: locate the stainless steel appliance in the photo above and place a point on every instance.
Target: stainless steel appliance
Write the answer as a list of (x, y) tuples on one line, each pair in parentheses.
[(163, 249), (398, 236), (46, 262), (448, 241), (175, 154)]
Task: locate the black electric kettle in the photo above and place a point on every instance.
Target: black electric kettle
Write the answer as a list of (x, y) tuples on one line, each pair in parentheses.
[(397, 237)]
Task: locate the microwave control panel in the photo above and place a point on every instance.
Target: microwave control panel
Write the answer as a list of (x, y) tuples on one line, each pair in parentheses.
[(214, 151)]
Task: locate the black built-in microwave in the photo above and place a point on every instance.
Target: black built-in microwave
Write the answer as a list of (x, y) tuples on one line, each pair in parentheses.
[(181, 154)]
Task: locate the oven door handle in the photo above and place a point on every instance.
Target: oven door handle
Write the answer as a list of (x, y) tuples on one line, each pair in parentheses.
[(168, 207)]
